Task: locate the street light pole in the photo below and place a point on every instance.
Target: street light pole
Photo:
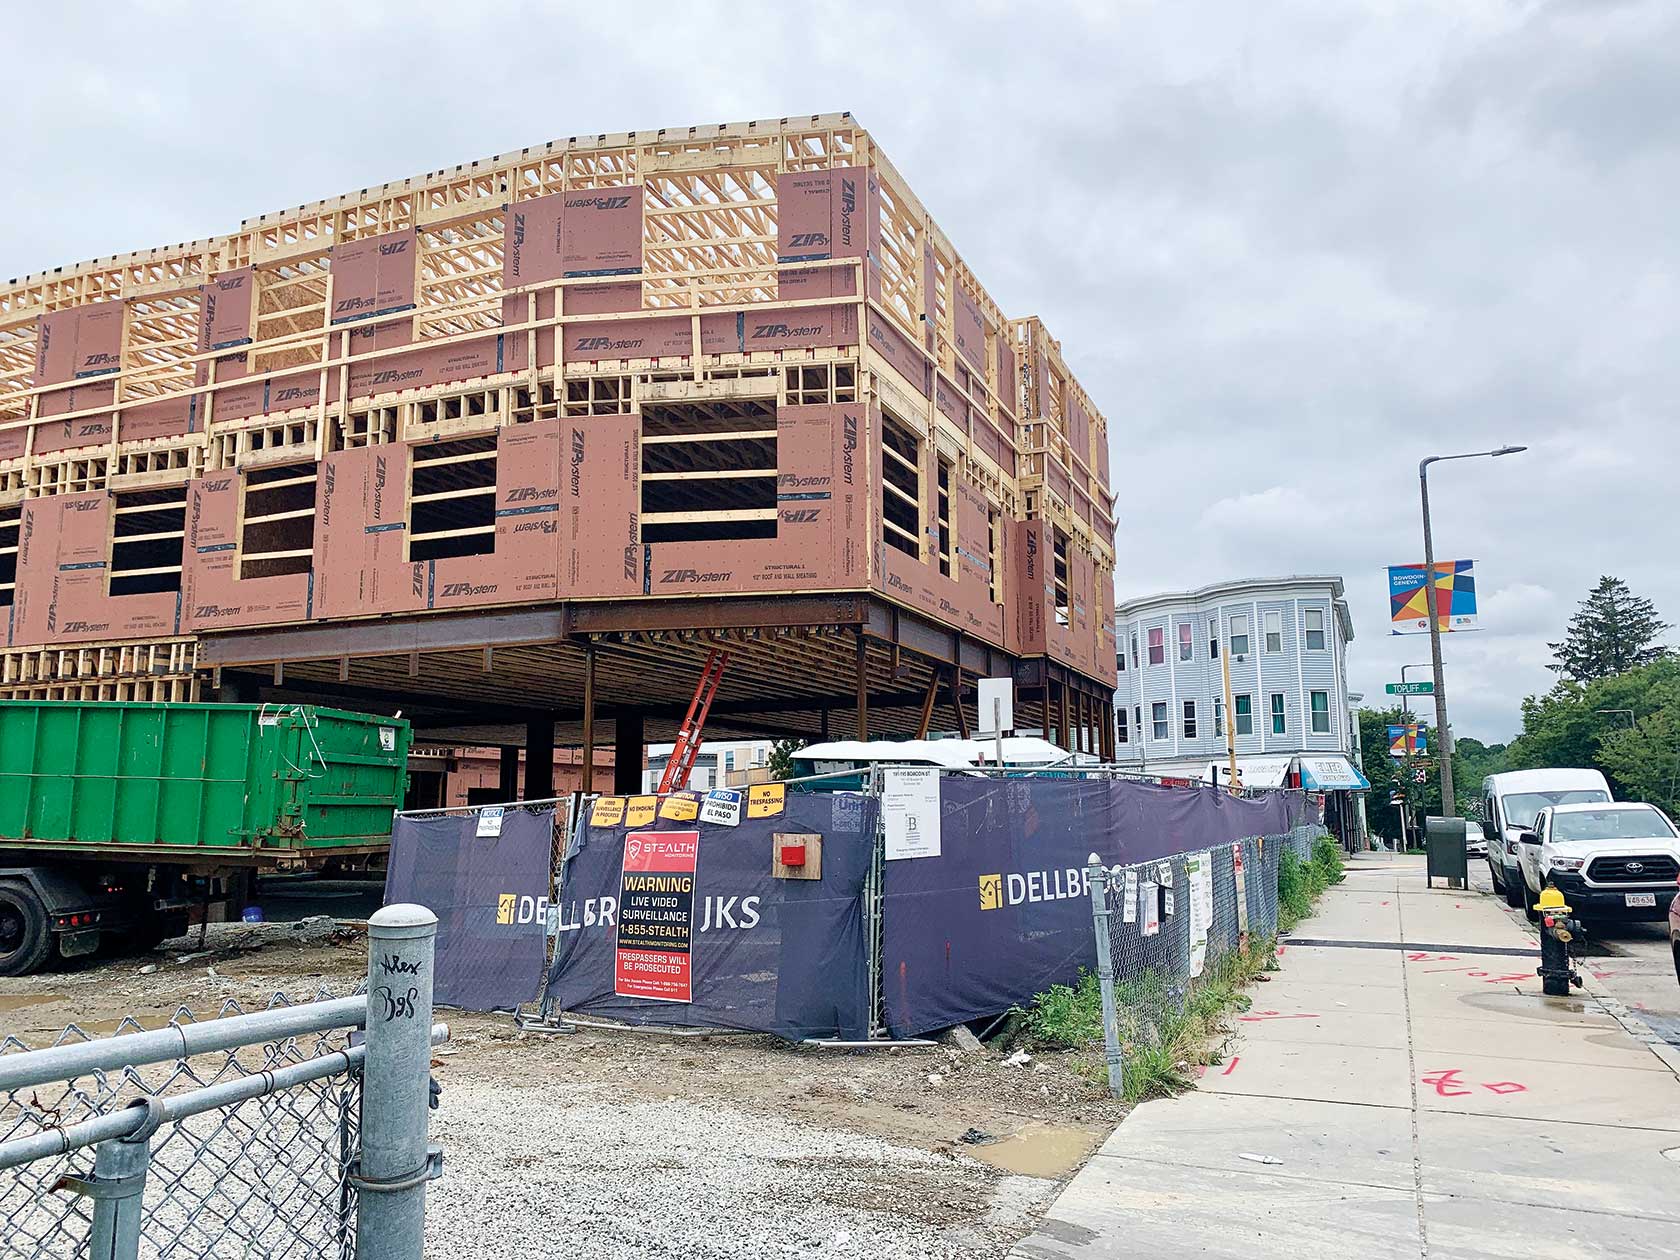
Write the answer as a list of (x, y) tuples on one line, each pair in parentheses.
[(1448, 803)]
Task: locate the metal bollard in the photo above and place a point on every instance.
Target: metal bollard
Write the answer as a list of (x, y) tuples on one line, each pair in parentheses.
[(1105, 975), (396, 1160), (118, 1181)]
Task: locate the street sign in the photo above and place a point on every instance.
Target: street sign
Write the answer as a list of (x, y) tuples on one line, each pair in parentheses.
[(1410, 689)]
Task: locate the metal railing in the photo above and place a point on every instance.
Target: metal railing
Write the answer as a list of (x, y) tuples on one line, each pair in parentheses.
[(280, 1133)]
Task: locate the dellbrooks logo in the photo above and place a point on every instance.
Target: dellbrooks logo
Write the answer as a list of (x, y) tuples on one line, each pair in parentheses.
[(513, 909), (1013, 888)]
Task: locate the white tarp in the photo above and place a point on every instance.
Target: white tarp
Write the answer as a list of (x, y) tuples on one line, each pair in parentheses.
[(1255, 772)]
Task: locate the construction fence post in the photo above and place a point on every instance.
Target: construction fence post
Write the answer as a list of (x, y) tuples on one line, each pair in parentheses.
[(396, 1160), (1098, 874), (118, 1182)]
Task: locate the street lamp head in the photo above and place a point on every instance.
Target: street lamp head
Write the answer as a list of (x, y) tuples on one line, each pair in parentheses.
[(1510, 450)]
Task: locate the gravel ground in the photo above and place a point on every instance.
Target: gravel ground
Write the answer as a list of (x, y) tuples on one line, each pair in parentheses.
[(613, 1144)]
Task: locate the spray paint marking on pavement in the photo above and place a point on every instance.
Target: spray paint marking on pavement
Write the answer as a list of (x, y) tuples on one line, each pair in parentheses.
[(1448, 1085)]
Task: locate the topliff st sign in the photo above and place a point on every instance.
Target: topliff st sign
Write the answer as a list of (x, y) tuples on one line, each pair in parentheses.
[(1410, 689)]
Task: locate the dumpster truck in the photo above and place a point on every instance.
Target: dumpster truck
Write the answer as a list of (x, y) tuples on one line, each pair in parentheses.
[(128, 823)]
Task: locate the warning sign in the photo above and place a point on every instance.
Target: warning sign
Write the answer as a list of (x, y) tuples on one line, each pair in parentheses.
[(655, 947)]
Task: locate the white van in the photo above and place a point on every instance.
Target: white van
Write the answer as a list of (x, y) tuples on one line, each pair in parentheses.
[(1510, 804)]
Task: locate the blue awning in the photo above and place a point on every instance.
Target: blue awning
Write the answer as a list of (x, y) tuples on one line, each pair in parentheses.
[(1333, 773)]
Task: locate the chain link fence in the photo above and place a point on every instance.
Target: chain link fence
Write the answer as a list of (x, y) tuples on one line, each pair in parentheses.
[(263, 1177), (1169, 929), (239, 1135)]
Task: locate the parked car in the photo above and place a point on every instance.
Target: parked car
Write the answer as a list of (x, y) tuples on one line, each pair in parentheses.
[(1510, 802), (1611, 861)]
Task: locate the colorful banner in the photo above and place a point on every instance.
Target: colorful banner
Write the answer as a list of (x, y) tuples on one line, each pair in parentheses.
[(1455, 597), (1407, 741)]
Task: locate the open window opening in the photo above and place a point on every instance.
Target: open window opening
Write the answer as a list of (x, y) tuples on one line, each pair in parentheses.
[(279, 531), (994, 570), (1064, 611), (148, 528), (943, 517), (709, 471), (10, 518), (901, 486), (452, 499)]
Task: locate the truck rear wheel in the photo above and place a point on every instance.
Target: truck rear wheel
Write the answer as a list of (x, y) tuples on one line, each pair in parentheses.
[(25, 938)]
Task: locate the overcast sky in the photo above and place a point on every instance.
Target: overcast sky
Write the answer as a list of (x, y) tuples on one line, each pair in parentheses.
[(1290, 248)]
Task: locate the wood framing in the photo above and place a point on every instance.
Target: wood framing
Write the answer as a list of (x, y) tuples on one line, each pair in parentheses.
[(721, 361)]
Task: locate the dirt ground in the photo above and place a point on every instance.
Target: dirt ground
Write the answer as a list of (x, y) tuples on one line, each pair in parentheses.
[(643, 1145)]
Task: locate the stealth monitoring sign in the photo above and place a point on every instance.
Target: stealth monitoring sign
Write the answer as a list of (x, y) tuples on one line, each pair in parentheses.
[(1455, 597)]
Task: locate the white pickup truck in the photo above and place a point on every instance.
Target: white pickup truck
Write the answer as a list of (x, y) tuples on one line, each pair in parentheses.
[(1611, 861)]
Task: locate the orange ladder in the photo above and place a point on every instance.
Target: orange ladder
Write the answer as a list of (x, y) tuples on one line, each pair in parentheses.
[(687, 748)]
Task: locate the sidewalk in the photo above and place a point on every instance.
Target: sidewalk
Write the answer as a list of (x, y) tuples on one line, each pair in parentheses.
[(1423, 1099)]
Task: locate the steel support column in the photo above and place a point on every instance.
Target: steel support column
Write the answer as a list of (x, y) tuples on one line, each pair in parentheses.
[(539, 758), (586, 775), (507, 782), (629, 751)]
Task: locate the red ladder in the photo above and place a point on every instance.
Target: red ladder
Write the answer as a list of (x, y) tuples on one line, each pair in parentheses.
[(687, 748)]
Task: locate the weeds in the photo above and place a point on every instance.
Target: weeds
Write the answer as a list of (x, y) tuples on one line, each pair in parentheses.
[(1165, 1024)]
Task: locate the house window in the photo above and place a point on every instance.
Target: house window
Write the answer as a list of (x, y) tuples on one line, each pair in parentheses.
[(1245, 714), (1274, 632), (1219, 717), (1213, 638), (1320, 711), (1157, 646), (1134, 645), (1122, 735), (1280, 724), (1158, 719), (1315, 629), (1189, 719), (1137, 718), (1184, 640), (1120, 659), (901, 486), (1239, 634)]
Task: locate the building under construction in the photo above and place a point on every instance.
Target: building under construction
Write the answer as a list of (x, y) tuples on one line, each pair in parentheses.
[(517, 447)]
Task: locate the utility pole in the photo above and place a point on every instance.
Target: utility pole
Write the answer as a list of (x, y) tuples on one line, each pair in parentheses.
[(1442, 733)]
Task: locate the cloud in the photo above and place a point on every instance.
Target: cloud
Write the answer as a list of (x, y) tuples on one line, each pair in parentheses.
[(1290, 249)]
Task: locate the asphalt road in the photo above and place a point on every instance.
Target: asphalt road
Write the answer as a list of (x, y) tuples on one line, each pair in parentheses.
[(1631, 961)]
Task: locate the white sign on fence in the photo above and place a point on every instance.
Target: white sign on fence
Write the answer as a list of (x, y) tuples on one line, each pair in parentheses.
[(1128, 905), (910, 811), (1150, 901), (1199, 872), (489, 821), (722, 806)]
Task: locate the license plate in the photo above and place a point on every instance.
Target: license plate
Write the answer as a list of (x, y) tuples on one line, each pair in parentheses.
[(1641, 899)]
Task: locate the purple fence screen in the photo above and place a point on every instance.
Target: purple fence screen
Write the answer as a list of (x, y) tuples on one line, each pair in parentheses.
[(737, 947), (490, 894), (1004, 911)]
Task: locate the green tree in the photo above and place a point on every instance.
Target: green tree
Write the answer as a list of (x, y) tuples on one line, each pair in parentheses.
[(1617, 723), (1645, 758), (781, 757), (1612, 632)]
